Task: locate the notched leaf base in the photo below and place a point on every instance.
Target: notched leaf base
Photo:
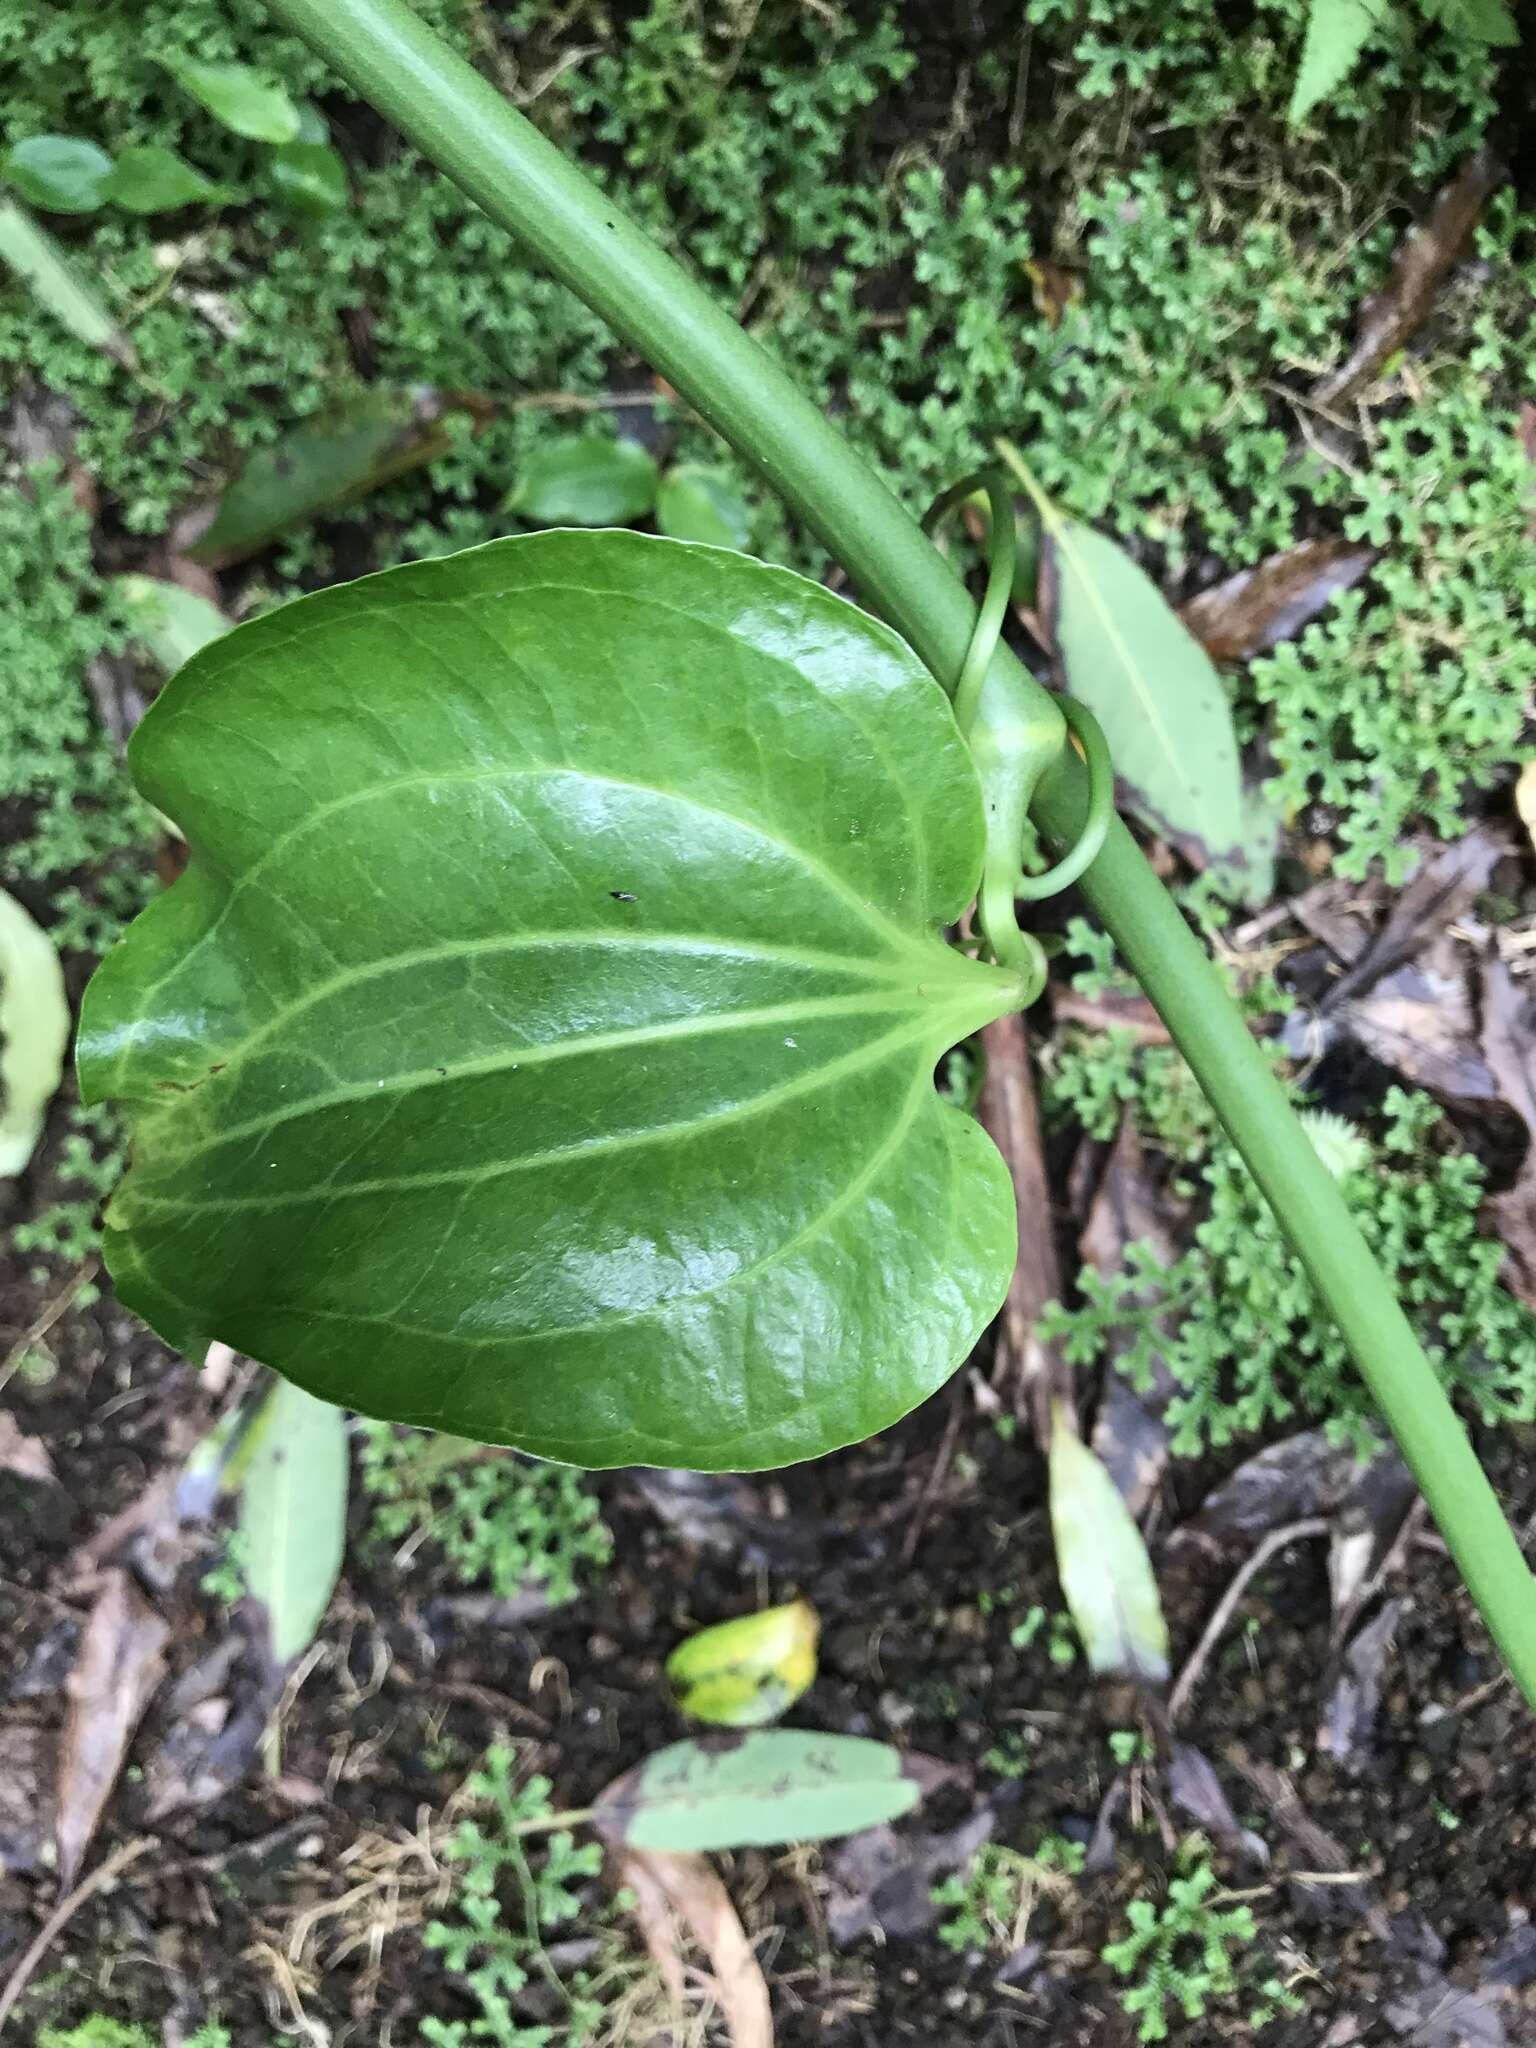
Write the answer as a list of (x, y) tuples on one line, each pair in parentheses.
[(540, 1043)]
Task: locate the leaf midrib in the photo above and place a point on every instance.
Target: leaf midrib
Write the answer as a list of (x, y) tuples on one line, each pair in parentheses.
[(872, 1054), (891, 934)]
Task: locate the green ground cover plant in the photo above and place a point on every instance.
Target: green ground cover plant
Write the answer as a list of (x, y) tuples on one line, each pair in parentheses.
[(510, 1523)]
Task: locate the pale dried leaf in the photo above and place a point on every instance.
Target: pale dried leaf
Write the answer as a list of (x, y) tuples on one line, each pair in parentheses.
[(121, 1658), (26, 1456), (1525, 798), (677, 1887)]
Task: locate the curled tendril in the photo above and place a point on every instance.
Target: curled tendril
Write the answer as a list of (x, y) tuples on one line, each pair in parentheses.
[(1013, 746)]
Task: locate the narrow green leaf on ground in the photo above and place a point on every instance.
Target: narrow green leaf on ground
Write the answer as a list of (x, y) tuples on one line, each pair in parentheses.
[(753, 1791), (293, 1513), (310, 177), (1147, 680), (540, 1044), (238, 97), (695, 503), (60, 173), (149, 179), (49, 275), (173, 623), (337, 456), (586, 480), (1336, 34), (34, 1030), (1106, 1574)]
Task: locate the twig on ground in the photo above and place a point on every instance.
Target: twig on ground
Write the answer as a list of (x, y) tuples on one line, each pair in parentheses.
[(61, 1916), (1036, 1371), (1226, 1606), (45, 1319)]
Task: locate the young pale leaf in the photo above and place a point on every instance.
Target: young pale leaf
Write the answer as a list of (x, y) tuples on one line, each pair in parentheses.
[(586, 480), (752, 1791), (34, 1029), (1103, 1564), (43, 267), (695, 503), (745, 1672), (149, 179), (60, 173), (174, 624), (1151, 685), (1336, 34), (293, 1513), (236, 96), (540, 1044), (310, 177)]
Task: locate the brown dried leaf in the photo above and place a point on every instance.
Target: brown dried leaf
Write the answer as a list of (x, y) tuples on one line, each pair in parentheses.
[(1129, 1434), (1423, 260), (1509, 1046), (883, 1878), (1037, 1372), (1197, 1792), (121, 1658), (1259, 607), (1418, 1020), (669, 1887)]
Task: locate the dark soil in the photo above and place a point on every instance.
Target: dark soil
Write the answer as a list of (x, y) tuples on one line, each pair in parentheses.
[(295, 1901)]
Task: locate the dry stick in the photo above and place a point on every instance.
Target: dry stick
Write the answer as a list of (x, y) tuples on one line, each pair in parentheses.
[(1011, 1113), (1226, 1606), (44, 1321), (936, 1476), (62, 1914)]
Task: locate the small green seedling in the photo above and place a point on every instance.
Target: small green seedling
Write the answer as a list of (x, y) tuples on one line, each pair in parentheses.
[(1179, 1953), (993, 1899)]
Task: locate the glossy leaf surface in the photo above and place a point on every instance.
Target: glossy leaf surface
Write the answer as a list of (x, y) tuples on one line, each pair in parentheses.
[(540, 1045), (751, 1791)]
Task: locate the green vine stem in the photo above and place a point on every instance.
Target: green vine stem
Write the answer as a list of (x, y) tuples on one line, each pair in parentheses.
[(500, 160)]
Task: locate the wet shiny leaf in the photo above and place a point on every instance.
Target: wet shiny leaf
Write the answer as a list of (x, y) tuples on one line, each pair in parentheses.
[(540, 1044)]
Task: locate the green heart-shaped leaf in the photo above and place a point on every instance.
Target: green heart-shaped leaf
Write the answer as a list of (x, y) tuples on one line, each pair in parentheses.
[(540, 1043)]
